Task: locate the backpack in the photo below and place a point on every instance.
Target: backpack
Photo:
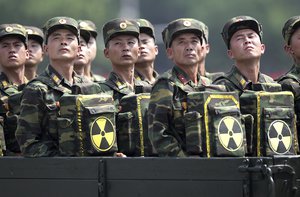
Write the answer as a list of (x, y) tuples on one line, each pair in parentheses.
[(214, 124), (132, 125), (274, 128)]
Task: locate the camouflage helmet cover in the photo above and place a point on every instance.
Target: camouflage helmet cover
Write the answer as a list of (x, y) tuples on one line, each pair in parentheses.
[(14, 29), (87, 25), (290, 26), (35, 33), (146, 27)]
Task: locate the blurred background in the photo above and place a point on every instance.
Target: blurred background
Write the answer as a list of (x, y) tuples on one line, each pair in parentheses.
[(215, 13)]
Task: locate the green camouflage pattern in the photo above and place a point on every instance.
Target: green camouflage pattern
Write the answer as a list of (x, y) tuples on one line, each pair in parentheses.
[(167, 107), (132, 126), (291, 82), (146, 27), (182, 25), (120, 26), (61, 22), (213, 75), (89, 26), (120, 88), (37, 126), (290, 26), (238, 23), (35, 33), (235, 81), (97, 78), (274, 131), (9, 111), (86, 125), (14, 30), (215, 126), (139, 76)]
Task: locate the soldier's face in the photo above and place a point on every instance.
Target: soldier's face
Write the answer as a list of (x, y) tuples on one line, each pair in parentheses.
[(62, 45), (92, 45), (35, 51), (148, 49), (186, 50), (13, 53), (84, 54), (245, 44), (294, 48), (122, 50)]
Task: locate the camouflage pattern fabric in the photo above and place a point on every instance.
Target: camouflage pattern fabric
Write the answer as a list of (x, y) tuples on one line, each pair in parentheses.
[(274, 122), (120, 88), (86, 125), (235, 81), (289, 28), (139, 76), (291, 82), (168, 104), (37, 125), (97, 78), (35, 33), (146, 27), (10, 109), (214, 124), (14, 29), (213, 75), (132, 126)]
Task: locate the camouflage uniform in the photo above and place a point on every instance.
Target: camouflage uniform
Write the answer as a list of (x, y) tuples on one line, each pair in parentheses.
[(291, 80), (35, 33), (11, 92), (87, 26), (37, 126), (234, 80), (168, 98)]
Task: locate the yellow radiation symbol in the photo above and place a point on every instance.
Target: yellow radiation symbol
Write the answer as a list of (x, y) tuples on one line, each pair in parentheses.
[(8, 29), (102, 134), (187, 23), (123, 25), (279, 137), (230, 133)]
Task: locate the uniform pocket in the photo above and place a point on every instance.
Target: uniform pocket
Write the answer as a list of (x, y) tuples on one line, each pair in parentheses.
[(192, 122)]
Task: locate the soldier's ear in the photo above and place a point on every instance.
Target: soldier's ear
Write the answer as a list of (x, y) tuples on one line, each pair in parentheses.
[(230, 54), (45, 49), (170, 53), (106, 53), (156, 49), (288, 49)]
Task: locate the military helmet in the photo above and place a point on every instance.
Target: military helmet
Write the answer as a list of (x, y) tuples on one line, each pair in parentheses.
[(61, 22), (35, 33), (238, 23), (146, 27), (120, 26), (15, 30), (87, 25), (290, 26), (182, 25)]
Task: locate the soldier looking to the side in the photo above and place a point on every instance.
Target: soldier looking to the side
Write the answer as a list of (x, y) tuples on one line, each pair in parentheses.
[(183, 41), (37, 125), (87, 26), (35, 50), (13, 54), (144, 67), (243, 38)]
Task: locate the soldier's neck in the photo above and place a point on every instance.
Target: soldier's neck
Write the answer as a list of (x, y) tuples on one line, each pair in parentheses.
[(146, 70), (249, 69), (65, 69), (30, 71), (125, 73), (191, 71), (15, 75)]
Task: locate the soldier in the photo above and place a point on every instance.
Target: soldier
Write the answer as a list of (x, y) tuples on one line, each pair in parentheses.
[(183, 40), (35, 49), (243, 38), (144, 67), (291, 80), (83, 58), (121, 38), (89, 26), (37, 125), (206, 49), (13, 54)]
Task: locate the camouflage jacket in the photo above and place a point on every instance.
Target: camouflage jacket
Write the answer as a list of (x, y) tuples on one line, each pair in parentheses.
[(97, 78), (235, 81), (7, 89), (37, 129), (120, 88), (291, 81), (166, 111), (214, 75), (139, 76)]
